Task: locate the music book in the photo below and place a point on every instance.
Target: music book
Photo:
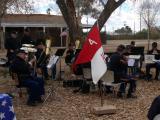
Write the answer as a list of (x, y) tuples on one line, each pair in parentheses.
[(134, 56), (131, 62), (149, 58), (53, 60)]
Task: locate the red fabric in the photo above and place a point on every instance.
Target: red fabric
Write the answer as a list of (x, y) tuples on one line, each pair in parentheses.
[(91, 45)]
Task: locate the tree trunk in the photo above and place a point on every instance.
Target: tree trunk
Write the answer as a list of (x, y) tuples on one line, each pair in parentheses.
[(110, 6), (68, 11)]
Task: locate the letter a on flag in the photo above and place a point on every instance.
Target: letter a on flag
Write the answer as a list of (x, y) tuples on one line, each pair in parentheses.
[(92, 51)]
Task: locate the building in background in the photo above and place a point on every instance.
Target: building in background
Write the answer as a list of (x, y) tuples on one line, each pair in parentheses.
[(39, 25)]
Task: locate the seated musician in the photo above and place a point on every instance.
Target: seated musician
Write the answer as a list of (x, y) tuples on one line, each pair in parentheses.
[(41, 59), (69, 58), (154, 50), (70, 55), (118, 64), (34, 84), (132, 45)]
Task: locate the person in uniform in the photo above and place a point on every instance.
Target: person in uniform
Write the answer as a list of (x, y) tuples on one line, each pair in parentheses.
[(34, 84), (26, 39), (42, 58), (154, 51), (12, 44), (118, 64)]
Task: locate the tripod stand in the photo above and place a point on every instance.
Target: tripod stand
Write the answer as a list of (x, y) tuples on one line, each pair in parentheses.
[(60, 53), (51, 91)]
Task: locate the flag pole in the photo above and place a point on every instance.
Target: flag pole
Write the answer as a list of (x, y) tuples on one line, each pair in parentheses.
[(100, 82), (101, 93)]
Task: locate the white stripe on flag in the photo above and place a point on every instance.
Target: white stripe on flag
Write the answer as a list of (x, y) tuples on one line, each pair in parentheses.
[(98, 65)]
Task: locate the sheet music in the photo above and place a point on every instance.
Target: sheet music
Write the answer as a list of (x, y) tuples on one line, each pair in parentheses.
[(53, 60), (157, 61), (149, 58), (131, 62), (134, 56)]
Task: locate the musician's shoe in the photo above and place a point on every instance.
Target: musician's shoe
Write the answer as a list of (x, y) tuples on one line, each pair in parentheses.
[(120, 95), (156, 78), (29, 103), (40, 100), (46, 78), (149, 77), (131, 96)]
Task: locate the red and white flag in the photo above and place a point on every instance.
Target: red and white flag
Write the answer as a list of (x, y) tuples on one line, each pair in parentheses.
[(93, 52)]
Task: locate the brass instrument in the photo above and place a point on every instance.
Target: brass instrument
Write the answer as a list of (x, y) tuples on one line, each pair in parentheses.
[(77, 44), (48, 46), (47, 50)]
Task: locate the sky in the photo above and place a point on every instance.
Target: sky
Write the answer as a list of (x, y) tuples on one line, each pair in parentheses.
[(127, 14)]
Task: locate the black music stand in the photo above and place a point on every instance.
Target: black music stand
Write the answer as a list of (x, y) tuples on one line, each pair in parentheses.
[(137, 50), (51, 90), (60, 53)]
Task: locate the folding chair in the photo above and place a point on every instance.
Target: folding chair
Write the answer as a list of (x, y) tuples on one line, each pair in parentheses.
[(108, 79), (16, 89)]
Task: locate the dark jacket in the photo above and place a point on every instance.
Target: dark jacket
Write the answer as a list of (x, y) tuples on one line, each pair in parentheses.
[(22, 68), (69, 56), (41, 57), (152, 50), (115, 62), (12, 44), (154, 109), (27, 40)]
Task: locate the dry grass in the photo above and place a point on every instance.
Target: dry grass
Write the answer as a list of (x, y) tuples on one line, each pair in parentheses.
[(66, 105)]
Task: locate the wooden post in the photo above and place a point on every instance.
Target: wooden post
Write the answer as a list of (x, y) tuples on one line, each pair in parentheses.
[(103, 109)]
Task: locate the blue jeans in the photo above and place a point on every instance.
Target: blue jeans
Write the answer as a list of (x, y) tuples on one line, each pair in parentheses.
[(36, 88)]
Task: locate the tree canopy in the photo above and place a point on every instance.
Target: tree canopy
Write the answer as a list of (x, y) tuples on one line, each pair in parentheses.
[(124, 30), (15, 6)]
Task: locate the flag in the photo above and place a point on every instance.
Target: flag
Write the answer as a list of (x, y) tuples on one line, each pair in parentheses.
[(92, 51), (6, 108)]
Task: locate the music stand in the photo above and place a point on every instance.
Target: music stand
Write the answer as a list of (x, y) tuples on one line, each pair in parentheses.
[(60, 53), (137, 50), (51, 89), (78, 51)]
